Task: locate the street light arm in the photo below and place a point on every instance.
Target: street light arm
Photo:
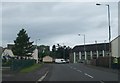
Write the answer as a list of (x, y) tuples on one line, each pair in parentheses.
[(98, 4), (102, 4), (81, 34), (78, 34)]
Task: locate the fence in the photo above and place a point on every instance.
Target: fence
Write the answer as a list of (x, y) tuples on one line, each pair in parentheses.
[(18, 64), (104, 62)]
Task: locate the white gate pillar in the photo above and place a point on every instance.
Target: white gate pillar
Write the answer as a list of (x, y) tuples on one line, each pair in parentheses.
[(74, 59), (97, 54), (91, 54), (80, 55), (103, 53)]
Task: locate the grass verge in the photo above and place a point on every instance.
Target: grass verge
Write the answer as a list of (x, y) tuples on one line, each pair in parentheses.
[(30, 69)]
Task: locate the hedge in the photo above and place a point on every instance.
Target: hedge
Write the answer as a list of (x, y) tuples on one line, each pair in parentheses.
[(18, 64)]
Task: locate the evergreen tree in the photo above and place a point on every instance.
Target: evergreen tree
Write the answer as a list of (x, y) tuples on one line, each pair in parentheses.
[(22, 45), (53, 48), (53, 51)]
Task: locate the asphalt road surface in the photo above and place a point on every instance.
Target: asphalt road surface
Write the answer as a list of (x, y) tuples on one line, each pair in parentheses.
[(77, 72)]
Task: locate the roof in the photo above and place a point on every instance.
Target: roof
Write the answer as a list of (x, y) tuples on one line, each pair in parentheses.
[(116, 38), (8, 52), (47, 57)]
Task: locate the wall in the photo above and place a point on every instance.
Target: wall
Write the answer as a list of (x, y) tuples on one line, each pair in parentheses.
[(35, 55), (47, 59), (119, 46), (115, 47)]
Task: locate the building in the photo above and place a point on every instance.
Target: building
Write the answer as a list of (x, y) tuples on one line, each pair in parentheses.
[(47, 59), (92, 51), (115, 45), (7, 53), (35, 55), (10, 46)]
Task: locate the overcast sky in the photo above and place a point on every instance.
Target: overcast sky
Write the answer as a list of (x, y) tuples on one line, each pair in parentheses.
[(58, 22)]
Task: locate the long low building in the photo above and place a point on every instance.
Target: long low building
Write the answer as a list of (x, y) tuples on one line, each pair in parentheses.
[(93, 51), (88, 52)]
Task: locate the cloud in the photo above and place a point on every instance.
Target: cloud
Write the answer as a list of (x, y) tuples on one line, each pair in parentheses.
[(55, 22)]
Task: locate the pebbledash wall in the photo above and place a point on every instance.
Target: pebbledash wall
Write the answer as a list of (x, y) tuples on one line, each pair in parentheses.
[(116, 47)]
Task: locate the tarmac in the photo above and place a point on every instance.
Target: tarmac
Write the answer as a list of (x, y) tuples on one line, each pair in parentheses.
[(8, 75), (105, 69)]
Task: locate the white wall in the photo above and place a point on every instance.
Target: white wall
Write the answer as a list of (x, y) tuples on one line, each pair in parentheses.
[(119, 46), (119, 29), (115, 47), (119, 18), (35, 55)]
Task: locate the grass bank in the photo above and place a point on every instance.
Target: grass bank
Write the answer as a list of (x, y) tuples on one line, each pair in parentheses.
[(31, 68)]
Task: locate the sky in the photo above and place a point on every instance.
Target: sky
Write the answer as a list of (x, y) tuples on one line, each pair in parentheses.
[(51, 23)]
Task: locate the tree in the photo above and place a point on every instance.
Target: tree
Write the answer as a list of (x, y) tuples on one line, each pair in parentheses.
[(61, 51), (23, 47), (53, 48)]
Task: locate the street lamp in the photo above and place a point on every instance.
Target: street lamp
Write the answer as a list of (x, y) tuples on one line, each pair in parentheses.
[(109, 31), (84, 43)]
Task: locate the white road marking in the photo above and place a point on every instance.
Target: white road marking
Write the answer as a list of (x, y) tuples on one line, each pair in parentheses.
[(79, 70), (101, 82), (43, 76), (75, 69), (88, 75)]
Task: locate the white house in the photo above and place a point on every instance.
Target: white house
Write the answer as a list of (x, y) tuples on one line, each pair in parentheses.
[(7, 53), (35, 55)]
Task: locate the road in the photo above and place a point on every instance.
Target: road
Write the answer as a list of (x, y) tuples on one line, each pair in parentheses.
[(77, 72), (62, 72)]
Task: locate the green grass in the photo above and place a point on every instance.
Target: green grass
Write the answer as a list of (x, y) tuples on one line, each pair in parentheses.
[(30, 69)]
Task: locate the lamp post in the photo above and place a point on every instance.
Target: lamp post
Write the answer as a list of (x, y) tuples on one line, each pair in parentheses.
[(84, 43), (109, 31)]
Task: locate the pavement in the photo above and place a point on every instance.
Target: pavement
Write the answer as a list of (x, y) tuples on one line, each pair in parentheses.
[(8, 75)]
